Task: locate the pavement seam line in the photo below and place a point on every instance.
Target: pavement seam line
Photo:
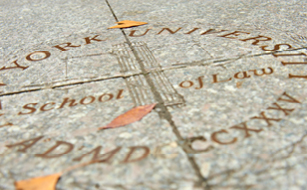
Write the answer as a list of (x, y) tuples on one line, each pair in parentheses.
[(177, 66), (163, 113)]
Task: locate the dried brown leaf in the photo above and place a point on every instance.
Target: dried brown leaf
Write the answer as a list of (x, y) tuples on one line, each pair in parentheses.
[(47, 182), (133, 115)]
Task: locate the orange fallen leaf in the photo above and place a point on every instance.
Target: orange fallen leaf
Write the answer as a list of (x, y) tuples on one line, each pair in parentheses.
[(127, 24), (133, 115), (47, 182)]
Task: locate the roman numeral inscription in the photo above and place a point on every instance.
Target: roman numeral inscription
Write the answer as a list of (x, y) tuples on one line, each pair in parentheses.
[(266, 119), (227, 137), (137, 85), (263, 116), (278, 107), (243, 126)]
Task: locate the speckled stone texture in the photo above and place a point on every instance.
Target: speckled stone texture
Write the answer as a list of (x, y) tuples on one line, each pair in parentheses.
[(228, 77)]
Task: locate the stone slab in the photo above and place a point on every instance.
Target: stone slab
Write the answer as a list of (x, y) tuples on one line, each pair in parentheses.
[(228, 79)]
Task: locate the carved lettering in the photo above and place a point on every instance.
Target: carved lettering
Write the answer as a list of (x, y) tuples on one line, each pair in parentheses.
[(133, 31), (106, 157), (1, 114), (190, 32), (32, 109), (243, 126), (119, 95), (25, 144), (17, 66), (48, 153), (188, 145), (264, 72), (46, 55), (67, 100), (92, 99), (43, 108), (7, 124), (215, 80), (89, 40), (266, 119), (284, 63), (189, 84), (297, 76), (200, 81), (235, 33), (66, 45), (289, 98), (100, 98), (215, 139), (279, 108), (257, 39), (288, 54), (276, 47), (158, 151), (245, 75), (294, 63), (212, 31), (169, 30), (146, 152)]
